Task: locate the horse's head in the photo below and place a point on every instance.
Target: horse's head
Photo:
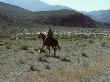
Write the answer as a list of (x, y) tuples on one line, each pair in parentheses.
[(41, 35)]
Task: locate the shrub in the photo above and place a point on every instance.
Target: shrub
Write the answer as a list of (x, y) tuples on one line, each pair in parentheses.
[(21, 61), (24, 47), (48, 67), (8, 47), (84, 55), (33, 68), (37, 49), (91, 41), (3, 43), (104, 44), (65, 60)]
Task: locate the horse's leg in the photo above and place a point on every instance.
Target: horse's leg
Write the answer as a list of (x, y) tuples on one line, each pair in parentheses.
[(48, 49), (59, 47), (54, 48), (41, 49), (42, 46)]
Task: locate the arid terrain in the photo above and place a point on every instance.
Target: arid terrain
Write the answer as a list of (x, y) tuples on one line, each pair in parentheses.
[(84, 56), (84, 38)]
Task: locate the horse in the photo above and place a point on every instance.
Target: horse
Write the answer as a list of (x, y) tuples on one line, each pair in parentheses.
[(49, 42)]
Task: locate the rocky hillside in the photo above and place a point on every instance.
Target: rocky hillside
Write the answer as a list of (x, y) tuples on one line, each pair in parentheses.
[(65, 18)]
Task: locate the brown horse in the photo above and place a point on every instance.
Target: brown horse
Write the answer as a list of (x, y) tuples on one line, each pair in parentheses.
[(49, 42)]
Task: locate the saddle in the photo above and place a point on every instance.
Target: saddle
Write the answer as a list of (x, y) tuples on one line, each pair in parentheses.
[(49, 40)]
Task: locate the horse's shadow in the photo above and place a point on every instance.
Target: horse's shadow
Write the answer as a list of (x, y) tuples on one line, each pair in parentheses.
[(54, 56)]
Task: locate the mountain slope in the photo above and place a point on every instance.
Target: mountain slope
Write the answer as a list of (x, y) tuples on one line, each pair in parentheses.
[(100, 16), (64, 18), (12, 15), (7, 9), (34, 5)]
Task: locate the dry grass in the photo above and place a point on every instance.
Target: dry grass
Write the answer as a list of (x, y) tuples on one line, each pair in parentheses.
[(26, 53), (68, 74)]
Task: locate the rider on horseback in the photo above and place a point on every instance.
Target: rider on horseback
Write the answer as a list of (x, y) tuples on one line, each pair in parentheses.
[(49, 41), (50, 33), (49, 37)]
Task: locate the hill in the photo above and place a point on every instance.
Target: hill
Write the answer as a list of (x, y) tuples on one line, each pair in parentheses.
[(12, 15), (100, 16), (34, 5), (24, 18), (10, 10), (64, 18)]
